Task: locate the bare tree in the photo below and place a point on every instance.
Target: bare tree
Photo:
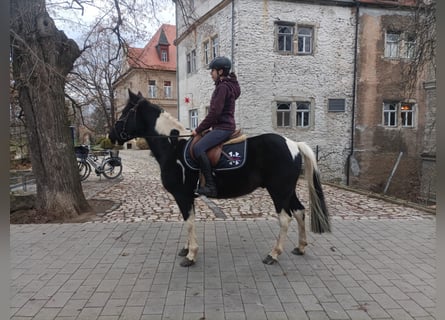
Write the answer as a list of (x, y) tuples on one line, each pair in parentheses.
[(424, 32), (42, 57)]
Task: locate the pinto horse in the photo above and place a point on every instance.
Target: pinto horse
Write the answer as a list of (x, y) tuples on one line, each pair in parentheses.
[(272, 162)]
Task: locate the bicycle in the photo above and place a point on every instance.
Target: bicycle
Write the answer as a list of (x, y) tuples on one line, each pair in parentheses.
[(110, 166)]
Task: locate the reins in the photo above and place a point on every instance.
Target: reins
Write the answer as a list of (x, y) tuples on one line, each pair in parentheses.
[(174, 136)]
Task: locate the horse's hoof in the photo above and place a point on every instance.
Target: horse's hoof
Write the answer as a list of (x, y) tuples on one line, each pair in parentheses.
[(187, 262), (298, 252), (269, 260), (183, 252)]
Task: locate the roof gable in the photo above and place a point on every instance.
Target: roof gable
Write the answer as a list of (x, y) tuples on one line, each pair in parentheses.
[(150, 57)]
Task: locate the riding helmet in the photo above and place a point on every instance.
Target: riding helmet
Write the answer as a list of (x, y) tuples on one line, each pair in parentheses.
[(220, 63)]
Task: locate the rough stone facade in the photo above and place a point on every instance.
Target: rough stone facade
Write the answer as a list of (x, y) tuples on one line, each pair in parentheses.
[(377, 146), (246, 32), (365, 158)]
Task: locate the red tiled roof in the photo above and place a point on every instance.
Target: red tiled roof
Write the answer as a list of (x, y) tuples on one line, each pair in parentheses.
[(148, 58)]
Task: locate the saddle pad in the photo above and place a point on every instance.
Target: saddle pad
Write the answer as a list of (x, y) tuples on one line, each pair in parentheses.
[(233, 156)]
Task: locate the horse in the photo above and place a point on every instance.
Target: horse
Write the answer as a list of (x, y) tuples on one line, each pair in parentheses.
[(273, 162)]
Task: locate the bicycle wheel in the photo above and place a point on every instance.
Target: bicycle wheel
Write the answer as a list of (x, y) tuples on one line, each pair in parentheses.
[(84, 169), (111, 170)]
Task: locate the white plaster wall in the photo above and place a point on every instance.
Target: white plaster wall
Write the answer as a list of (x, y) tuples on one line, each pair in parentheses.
[(266, 76)]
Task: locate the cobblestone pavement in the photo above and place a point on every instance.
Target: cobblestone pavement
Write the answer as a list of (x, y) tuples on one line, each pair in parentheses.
[(378, 262)]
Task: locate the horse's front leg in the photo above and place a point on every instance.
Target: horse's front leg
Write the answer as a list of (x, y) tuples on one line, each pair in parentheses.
[(302, 242), (191, 247), (272, 257)]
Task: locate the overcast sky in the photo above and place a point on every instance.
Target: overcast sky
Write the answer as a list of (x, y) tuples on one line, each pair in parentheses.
[(72, 22)]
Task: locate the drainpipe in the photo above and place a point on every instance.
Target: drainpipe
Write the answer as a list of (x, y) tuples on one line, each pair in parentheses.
[(233, 33), (354, 90), (178, 100)]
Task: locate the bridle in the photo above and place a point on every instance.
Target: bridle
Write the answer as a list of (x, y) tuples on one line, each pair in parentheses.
[(132, 112)]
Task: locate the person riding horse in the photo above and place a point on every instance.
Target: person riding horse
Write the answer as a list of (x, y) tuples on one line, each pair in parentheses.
[(220, 118)]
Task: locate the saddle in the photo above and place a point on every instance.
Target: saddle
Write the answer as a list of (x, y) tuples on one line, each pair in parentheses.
[(214, 154)]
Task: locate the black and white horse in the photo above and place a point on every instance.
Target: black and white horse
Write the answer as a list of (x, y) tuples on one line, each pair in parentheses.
[(273, 162)]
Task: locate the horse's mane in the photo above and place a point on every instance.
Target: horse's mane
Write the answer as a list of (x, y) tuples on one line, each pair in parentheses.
[(166, 122)]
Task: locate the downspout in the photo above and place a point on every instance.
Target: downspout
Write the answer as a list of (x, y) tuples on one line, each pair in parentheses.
[(354, 90), (233, 33), (177, 59)]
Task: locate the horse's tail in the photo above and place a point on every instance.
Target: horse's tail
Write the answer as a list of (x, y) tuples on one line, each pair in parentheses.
[(319, 213)]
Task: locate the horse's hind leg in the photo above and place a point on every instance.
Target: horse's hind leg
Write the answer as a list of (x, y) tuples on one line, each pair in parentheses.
[(272, 257), (302, 242)]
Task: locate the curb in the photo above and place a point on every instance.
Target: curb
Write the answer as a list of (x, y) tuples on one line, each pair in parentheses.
[(379, 196)]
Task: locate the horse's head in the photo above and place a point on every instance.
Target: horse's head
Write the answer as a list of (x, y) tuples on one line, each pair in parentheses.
[(141, 118)]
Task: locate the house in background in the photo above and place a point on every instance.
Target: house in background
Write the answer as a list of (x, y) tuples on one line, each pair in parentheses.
[(317, 72), (394, 141), (152, 71)]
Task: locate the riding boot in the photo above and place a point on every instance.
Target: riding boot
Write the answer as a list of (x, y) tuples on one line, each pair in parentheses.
[(209, 189)]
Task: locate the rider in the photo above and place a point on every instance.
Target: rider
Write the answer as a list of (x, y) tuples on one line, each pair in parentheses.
[(220, 118)]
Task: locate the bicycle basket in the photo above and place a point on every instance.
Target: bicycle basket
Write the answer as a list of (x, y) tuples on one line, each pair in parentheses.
[(81, 152), (114, 153), (115, 161)]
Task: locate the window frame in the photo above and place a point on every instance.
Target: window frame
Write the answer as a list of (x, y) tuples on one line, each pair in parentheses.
[(281, 115), (206, 51), (168, 89), (305, 114), (305, 37), (164, 55), (389, 115), (193, 118), (392, 46), (152, 92), (215, 46), (407, 115), (286, 36), (191, 61)]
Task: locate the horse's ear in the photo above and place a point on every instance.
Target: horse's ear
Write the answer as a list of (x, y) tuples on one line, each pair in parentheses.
[(132, 95), (174, 133), (140, 94)]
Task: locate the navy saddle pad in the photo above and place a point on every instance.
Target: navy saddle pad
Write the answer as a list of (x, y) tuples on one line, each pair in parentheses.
[(233, 156)]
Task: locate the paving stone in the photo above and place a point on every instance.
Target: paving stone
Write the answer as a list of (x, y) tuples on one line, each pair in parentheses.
[(378, 263)]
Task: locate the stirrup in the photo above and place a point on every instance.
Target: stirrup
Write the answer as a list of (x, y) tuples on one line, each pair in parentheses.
[(208, 192)]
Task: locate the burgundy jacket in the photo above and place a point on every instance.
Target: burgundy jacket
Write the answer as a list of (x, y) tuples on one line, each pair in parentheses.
[(222, 105)]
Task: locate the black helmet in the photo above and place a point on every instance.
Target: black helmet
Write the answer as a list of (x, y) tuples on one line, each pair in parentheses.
[(220, 63)]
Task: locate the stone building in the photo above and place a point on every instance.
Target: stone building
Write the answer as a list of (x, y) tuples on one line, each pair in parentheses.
[(314, 72), (393, 143), (152, 71), (293, 67)]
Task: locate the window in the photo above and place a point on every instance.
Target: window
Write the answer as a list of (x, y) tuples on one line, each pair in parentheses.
[(191, 61), (407, 115), (336, 105), (193, 117), (303, 112), (390, 114), (400, 45), (285, 34), (409, 46), (283, 114), (392, 44), (152, 89), (167, 89), (206, 53), (305, 40), (215, 47), (164, 56)]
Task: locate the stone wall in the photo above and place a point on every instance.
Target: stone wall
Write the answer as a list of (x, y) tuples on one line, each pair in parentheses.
[(267, 76)]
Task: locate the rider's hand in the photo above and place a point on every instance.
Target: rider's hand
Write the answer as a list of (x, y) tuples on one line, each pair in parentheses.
[(194, 133)]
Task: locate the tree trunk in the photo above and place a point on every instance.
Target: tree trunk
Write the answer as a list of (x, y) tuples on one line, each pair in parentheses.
[(42, 56)]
